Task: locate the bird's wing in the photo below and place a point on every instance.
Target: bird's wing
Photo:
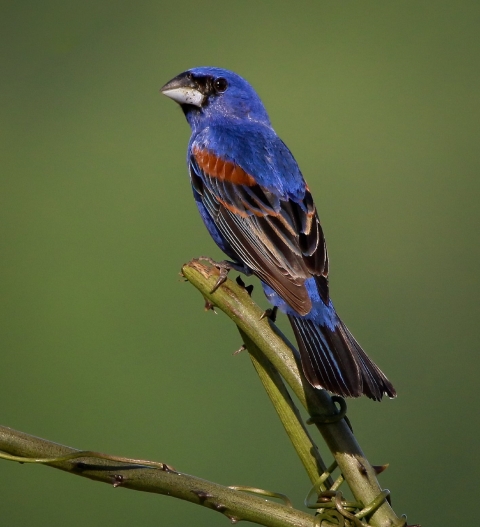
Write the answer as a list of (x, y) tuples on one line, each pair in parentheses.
[(279, 238)]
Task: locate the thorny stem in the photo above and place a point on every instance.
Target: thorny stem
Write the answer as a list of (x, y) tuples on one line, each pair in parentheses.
[(273, 358), (158, 478), (236, 303), (287, 412)]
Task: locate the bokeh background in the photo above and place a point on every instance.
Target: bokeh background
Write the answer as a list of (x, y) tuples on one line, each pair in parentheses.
[(102, 346)]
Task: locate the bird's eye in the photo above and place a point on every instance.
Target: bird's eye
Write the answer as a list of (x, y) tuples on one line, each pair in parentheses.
[(220, 84)]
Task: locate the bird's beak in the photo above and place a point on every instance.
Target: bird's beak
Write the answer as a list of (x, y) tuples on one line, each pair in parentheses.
[(184, 90)]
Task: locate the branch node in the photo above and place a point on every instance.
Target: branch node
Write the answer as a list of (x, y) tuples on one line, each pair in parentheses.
[(202, 496)]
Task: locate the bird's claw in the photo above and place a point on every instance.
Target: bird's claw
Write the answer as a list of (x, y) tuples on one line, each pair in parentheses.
[(222, 277), (223, 267)]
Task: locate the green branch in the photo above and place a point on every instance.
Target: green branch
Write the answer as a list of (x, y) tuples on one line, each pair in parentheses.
[(256, 329), (287, 412), (159, 478), (275, 361)]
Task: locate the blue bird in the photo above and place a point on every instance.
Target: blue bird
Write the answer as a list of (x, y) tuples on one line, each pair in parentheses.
[(258, 209)]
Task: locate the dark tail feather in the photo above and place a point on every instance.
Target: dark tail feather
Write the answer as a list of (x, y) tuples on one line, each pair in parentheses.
[(335, 361)]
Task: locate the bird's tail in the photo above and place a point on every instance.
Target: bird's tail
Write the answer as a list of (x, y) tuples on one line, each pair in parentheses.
[(333, 359)]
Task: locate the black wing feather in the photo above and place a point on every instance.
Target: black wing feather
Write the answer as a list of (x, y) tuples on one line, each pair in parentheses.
[(280, 240)]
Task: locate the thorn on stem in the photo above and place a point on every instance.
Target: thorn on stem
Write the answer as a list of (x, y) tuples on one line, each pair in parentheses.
[(209, 306), (270, 313), (168, 468), (240, 349), (380, 468), (202, 495), (241, 283), (118, 479)]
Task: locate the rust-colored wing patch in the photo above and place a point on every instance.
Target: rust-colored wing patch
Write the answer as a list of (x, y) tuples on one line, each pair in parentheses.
[(224, 170), (280, 239)]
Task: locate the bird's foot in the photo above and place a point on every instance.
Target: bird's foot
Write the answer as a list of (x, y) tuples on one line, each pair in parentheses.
[(223, 267)]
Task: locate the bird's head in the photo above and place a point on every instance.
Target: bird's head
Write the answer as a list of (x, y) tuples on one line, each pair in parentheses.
[(210, 94)]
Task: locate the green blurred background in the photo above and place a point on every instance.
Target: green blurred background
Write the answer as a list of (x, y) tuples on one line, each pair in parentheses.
[(102, 345)]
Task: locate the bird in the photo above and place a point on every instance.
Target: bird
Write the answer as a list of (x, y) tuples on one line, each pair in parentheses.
[(259, 210)]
